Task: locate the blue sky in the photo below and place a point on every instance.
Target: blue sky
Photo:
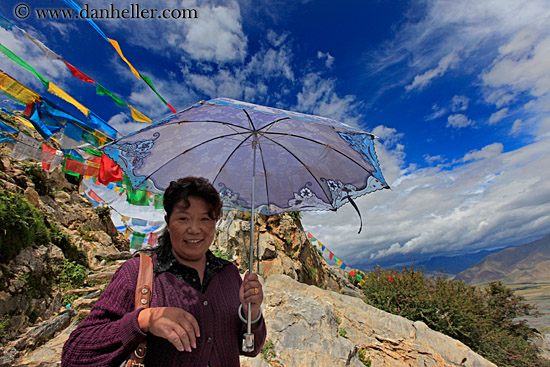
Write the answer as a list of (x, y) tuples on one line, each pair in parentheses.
[(457, 91)]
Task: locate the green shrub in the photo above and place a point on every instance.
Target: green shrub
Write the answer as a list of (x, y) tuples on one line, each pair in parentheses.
[(483, 319), (222, 254), (362, 353), (268, 351), (21, 225), (72, 275), (343, 333), (295, 215)]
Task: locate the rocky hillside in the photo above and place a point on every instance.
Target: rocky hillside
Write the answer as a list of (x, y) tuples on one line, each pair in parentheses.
[(314, 316)]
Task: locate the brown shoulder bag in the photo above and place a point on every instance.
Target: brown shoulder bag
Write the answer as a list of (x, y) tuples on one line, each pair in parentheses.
[(144, 293)]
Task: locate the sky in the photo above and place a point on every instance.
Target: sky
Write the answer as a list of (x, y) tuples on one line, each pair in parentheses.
[(458, 93)]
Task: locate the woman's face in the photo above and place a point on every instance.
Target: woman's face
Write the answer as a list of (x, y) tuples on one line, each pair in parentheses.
[(191, 230)]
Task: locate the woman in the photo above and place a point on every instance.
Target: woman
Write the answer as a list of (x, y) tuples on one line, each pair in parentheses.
[(193, 319)]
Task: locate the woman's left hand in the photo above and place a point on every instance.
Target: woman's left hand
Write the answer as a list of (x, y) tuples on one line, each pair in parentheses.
[(251, 292)]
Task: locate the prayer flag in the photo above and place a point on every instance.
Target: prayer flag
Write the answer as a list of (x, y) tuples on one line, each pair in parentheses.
[(49, 155), (150, 84), (95, 197), (338, 261), (343, 266), (330, 255), (102, 91), (117, 48), (138, 116), (79, 74), (5, 23), (352, 273), (109, 171), (152, 239), (137, 240), (50, 55), (19, 61), (86, 16), (358, 277), (54, 89), (309, 235), (7, 128)]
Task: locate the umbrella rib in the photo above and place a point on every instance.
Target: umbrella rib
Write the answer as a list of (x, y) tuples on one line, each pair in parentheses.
[(265, 172), (193, 147), (212, 121), (229, 157), (316, 142), (303, 164)]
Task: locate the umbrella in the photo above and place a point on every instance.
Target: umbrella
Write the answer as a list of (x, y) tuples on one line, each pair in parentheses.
[(261, 159)]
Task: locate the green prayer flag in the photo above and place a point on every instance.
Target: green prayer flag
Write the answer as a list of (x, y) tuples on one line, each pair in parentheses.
[(19, 61), (102, 91), (137, 240), (158, 201), (150, 84), (358, 277)]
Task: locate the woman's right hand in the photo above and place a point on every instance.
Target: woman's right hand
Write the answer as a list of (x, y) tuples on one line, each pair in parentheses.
[(176, 325)]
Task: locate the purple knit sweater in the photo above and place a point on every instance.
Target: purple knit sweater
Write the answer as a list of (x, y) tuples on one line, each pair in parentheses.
[(111, 331)]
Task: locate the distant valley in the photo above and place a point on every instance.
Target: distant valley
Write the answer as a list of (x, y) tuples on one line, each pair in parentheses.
[(525, 269)]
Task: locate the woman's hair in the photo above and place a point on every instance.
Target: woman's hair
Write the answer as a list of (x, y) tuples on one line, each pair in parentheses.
[(179, 192)]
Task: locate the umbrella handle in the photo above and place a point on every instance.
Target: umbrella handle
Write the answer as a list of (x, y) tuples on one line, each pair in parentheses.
[(248, 338)]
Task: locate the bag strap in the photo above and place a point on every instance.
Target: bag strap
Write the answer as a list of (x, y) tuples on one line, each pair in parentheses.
[(144, 293)]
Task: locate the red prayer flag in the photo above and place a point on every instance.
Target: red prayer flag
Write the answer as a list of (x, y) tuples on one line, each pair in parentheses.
[(80, 75), (94, 196), (48, 154), (330, 255), (391, 280), (309, 235), (352, 273), (109, 171), (172, 108), (152, 238), (28, 109)]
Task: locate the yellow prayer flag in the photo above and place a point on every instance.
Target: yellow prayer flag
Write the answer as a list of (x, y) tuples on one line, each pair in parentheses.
[(138, 116), (54, 89), (117, 48), (320, 244), (127, 233), (125, 218), (339, 262), (25, 122), (362, 282)]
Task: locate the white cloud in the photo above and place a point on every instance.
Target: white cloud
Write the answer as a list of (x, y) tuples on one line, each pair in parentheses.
[(437, 112), (460, 103), (490, 200), (459, 121), (498, 116), (422, 80), (486, 152), (319, 97), (329, 59), (229, 42), (522, 69), (517, 127)]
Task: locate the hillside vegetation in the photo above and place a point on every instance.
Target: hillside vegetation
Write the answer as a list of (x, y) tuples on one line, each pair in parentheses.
[(488, 320)]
